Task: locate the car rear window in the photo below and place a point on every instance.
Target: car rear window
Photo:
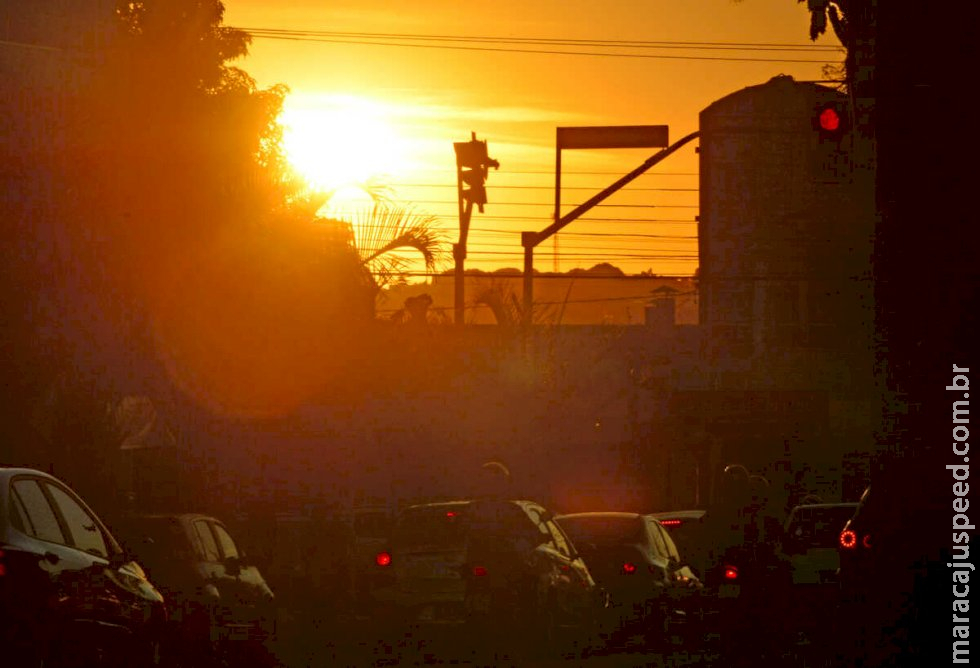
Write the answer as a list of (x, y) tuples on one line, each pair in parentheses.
[(430, 527), (684, 532), (819, 527), (154, 538), (603, 530)]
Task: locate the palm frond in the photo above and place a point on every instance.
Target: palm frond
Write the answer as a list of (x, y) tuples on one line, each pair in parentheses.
[(384, 229)]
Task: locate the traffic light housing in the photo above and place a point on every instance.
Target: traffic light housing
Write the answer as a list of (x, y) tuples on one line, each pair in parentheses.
[(472, 165), (832, 146), (830, 120)]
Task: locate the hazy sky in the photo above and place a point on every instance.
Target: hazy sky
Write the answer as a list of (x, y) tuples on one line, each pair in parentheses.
[(359, 108)]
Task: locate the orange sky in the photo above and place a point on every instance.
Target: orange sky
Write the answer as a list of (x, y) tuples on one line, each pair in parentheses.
[(406, 105)]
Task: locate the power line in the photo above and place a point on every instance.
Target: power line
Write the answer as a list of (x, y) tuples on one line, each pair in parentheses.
[(374, 42), (552, 204), (773, 46), (564, 187), (532, 219), (541, 276)]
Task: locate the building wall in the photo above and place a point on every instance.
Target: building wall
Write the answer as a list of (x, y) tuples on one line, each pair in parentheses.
[(785, 247)]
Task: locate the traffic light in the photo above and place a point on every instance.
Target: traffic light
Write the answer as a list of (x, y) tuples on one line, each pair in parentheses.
[(832, 150), (472, 165), (830, 120)]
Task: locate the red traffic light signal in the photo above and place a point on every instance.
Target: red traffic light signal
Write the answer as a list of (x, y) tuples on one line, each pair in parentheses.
[(830, 120)]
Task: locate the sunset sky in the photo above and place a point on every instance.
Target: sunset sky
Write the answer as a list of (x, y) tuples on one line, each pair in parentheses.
[(384, 89)]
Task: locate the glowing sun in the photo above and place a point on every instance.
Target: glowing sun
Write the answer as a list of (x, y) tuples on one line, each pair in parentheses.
[(339, 142)]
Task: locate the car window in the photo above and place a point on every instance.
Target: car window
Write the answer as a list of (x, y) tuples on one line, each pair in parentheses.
[(818, 526), (669, 542), (208, 545), (227, 545), (658, 540), (560, 541), (432, 527), (17, 515), (41, 520), (603, 530), (536, 525), (84, 529), (507, 523)]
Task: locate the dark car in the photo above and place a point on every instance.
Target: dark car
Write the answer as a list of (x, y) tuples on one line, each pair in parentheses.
[(69, 594), (218, 599), (651, 590), (855, 548), (811, 539), (502, 570), (746, 582)]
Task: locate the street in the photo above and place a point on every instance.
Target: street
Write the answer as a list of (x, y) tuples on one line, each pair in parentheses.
[(358, 643)]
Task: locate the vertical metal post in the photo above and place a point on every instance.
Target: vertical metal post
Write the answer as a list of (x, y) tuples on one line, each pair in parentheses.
[(557, 216), (528, 240), (459, 249)]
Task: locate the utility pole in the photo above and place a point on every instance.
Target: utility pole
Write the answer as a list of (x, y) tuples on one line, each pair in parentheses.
[(472, 165)]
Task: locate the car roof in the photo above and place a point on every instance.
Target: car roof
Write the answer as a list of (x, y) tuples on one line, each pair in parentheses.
[(8, 472), (181, 517), (679, 515), (459, 503), (600, 514)]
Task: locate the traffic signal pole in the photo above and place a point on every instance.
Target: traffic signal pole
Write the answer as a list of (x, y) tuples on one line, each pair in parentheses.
[(472, 165), (459, 255)]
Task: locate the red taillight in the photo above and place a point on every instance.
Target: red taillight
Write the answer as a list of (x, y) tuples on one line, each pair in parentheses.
[(848, 539), (450, 514), (670, 523), (479, 571), (382, 559), (629, 567), (3, 567), (866, 541), (731, 573)]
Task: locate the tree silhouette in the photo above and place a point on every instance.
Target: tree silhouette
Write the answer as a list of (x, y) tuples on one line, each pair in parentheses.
[(853, 24)]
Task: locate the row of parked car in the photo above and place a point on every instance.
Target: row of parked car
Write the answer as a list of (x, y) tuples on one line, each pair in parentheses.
[(151, 590)]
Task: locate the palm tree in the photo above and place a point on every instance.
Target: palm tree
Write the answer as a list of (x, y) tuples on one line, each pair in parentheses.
[(379, 234)]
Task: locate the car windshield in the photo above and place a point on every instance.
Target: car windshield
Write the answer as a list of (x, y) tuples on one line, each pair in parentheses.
[(439, 527), (603, 530), (819, 526)]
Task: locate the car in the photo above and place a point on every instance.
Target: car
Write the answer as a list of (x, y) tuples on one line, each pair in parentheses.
[(811, 536), (684, 527), (501, 570), (855, 548), (220, 603), (651, 590), (70, 595), (370, 527), (745, 582)]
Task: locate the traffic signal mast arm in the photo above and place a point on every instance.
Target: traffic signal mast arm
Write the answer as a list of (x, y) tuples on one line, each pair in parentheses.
[(531, 239)]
